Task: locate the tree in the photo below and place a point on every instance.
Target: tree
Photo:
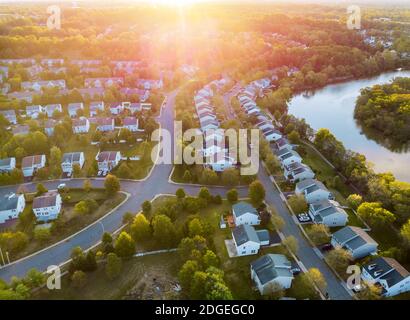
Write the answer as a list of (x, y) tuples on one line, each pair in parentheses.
[(318, 233), (87, 185), (208, 177), (55, 161), (274, 291), (81, 208), (209, 259), (230, 177), (339, 259), (107, 241), (277, 221), (369, 291), (140, 228), (195, 227), (187, 245), (79, 279), (405, 232), (317, 278), (163, 230), (180, 193), (42, 234), (76, 170), (354, 200), (298, 203), (374, 214), (186, 274), (256, 193), (113, 266), (291, 243), (294, 137), (41, 189), (232, 196), (204, 194), (127, 218), (146, 207), (112, 185), (187, 177), (124, 245)]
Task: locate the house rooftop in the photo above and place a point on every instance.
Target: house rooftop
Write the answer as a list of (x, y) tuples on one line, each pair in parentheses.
[(244, 233), (271, 266), (71, 157), (30, 161), (48, 199), (107, 156), (5, 162), (353, 237), (243, 207), (388, 269), (9, 202)]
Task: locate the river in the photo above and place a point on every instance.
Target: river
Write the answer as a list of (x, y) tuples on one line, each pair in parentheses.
[(332, 107)]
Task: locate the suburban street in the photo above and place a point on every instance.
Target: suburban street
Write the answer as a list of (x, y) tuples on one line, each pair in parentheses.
[(139, 191)]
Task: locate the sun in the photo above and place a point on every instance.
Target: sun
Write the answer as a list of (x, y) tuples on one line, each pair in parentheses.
[(175, 2)]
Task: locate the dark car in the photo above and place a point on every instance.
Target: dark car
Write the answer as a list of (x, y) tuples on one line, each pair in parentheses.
[(327, 247)]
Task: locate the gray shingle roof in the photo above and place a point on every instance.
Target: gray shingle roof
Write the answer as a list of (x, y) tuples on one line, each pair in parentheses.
[(270, 266), (243, 234), (243, 207), (9, 202), (353, 237)]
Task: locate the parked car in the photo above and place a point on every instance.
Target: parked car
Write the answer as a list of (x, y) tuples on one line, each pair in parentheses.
[(61, 186)]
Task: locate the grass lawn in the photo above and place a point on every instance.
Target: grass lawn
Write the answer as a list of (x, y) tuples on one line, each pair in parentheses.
[(99, 287), (70, 221)]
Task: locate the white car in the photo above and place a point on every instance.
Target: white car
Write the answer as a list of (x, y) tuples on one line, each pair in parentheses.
[(61, 186)]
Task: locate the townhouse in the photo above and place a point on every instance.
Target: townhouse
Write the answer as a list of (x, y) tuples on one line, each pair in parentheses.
[(10, 115), (96, 107), (11, 205), (73, 108), (288, 156), (34, 111), (81, 125), (107, 160), (329, 213), (247, 240), (130, 123), (355, 240), (116, 108), (20, 130), (105, 124), (30, 164), (150, 84), (388, 274), (49, 126), (245, 213), (47, 207), (297, 171), (38, 85), (7, 164), (313, 191), (103, 82), (50, 109), (271, 272), (70, 159)]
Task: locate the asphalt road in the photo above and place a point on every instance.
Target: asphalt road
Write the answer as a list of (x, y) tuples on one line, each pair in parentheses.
[(158, 183)]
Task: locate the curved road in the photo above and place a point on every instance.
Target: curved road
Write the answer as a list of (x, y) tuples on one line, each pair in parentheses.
[(157, 183)]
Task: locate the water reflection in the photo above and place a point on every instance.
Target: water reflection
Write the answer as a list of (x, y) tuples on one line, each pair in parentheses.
[(333, 106)]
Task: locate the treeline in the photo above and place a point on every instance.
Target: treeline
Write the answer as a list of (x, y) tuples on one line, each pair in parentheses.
[(386, 109)]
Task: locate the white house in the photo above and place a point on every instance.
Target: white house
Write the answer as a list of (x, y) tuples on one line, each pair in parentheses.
[(11, 205), (103, 82), (51, 108), (329, 213), (108, 160), (34, 111), (298, 172), (287, 156), (219, 161), (116, 108), (74, 107), (105, 124), (81, 125), (31, 164), (271, 269), (209, 124), (7, 164), (20, 130), (70, 159), (10, 115), (388, 273), (265, 124), (355, 240), (47, 206), (245, 213), (96, 106), (49, 125), (283, 143), (247, 240), (130, 123), (272, 135), (149, 84), (313, 190), (39, 85)]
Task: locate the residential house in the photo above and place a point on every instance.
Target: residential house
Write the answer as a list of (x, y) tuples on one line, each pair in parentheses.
[(7, 164), (103, 82), (4, 72), (40, 84), (81, 125), (49, 125), (329, 213), (23, 61), (134, 107), (148, 84), (20, 129), (282, 143), (130, 123), (247, 240), (271, 270), (116, 108), (51, 108), (21, 96), (287, 156), (105, 124), (70, 159), (108, 160), (271, 134), (95, 107), (73, 109), (47, 206), (11, 205), (245, 213), (355, 240), (387, 273), (209, 124), (298, 172), (10, 115), (313, 190), (86, 63), (34, 111), (219, 161), (52, 62), (141, 93), (31, 164)]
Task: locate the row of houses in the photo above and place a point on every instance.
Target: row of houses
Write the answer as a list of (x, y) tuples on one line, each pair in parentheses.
[(214, 150)]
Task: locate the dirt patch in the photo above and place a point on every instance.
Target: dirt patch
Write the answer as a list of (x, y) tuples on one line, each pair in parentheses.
[(156, 284)]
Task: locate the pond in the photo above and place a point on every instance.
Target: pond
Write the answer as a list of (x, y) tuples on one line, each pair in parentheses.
[(332, 107)]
